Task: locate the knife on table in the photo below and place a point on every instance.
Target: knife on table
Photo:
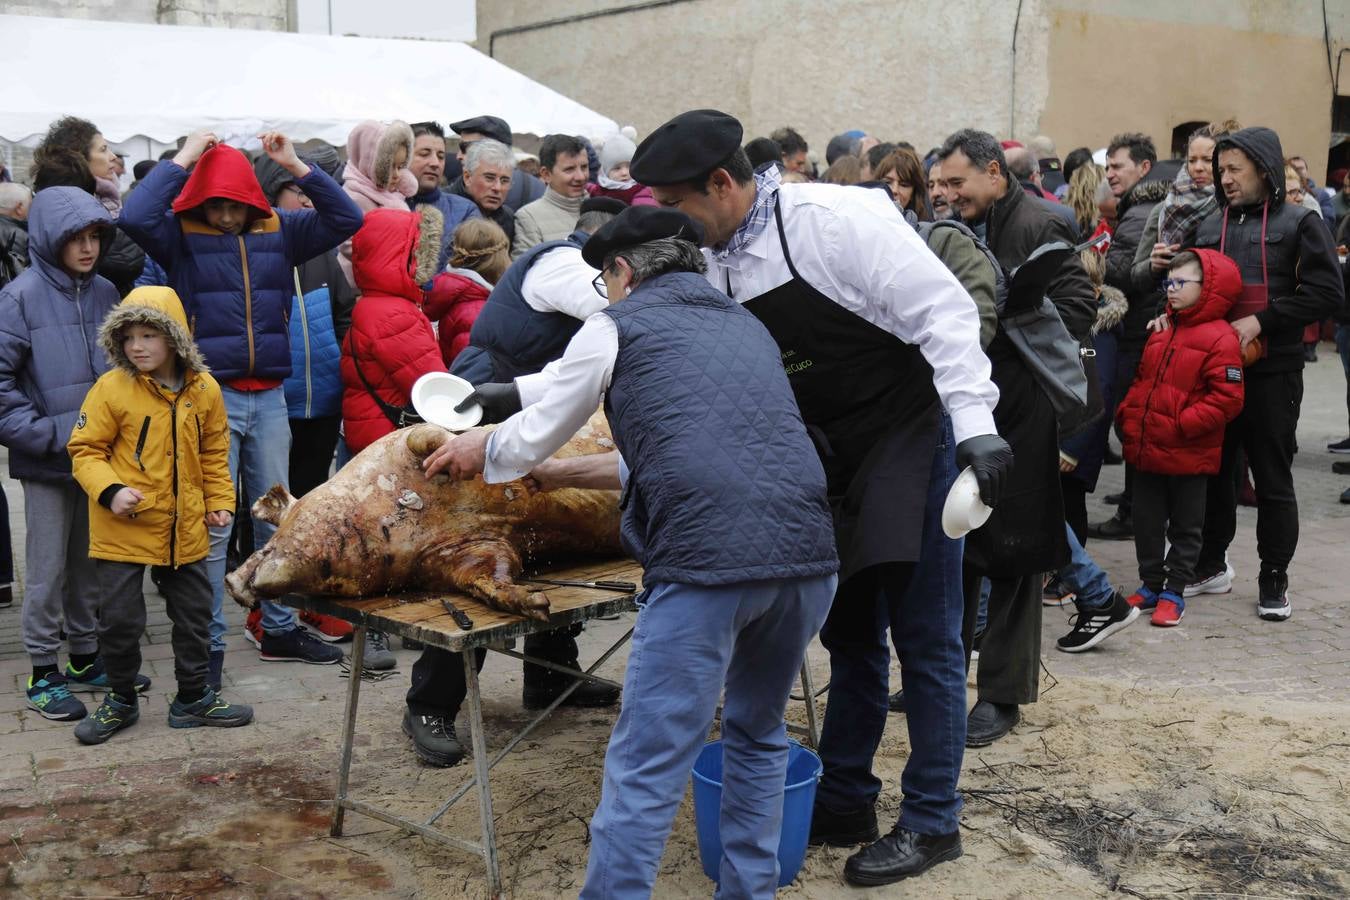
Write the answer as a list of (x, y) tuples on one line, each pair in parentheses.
[(626, 587), (460, 616)]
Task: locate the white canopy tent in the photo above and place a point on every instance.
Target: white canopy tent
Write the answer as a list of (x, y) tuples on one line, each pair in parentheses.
[(161, 82)]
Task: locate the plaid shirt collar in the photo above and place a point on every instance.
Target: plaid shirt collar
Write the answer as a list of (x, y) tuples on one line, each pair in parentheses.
[(766, 195)]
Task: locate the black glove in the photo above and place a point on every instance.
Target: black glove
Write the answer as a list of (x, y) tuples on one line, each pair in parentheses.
[(499, 401), (991, 458)]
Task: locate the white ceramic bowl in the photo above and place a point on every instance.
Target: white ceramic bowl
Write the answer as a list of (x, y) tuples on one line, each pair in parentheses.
[(435, 396), (964, 511)]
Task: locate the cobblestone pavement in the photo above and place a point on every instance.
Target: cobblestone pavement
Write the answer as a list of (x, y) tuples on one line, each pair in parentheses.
[(145, 815)]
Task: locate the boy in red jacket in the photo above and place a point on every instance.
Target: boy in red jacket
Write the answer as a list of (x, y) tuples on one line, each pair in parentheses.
[(1187, 389)]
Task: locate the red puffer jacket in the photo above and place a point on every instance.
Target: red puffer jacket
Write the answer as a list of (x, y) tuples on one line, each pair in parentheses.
[(1189, 384), (454, 301), (390, 338)]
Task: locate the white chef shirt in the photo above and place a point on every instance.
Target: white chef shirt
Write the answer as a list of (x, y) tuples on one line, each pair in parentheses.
[(555, 402), (560, 281), (853, 246)]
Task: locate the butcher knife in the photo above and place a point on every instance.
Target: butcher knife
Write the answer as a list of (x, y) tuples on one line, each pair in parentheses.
[(626, 587), (460, 616)]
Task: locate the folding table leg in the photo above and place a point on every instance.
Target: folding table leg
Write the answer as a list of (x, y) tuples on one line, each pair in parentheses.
[(349, 726), (481, 766), (809, 692)]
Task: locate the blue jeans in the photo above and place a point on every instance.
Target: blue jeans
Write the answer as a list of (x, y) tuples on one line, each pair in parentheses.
[(689, 642), (260, 456), (1085, 578), (922, 604)]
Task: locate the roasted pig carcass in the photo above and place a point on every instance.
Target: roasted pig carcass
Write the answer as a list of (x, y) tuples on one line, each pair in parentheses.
[(380, 526)]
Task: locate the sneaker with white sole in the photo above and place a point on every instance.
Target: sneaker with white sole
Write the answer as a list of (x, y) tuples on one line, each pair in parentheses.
[(1093, 626), (50, 698), (1218, 583), (1056, 593), (297, 645), (94, 677), (1273, 605)]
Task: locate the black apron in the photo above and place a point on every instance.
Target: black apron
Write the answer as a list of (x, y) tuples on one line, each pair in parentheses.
[(869, 404)]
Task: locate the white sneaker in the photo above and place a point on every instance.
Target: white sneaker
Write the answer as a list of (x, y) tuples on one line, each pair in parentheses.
[(1218, 583)]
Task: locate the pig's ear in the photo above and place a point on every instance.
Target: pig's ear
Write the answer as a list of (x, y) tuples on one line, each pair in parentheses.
[(273, 506)]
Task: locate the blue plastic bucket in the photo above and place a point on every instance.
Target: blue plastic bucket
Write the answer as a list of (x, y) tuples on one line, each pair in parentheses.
[(803, 772)]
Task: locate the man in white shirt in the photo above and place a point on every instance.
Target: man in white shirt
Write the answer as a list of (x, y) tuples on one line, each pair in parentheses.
[(529, 317), (881, 346)]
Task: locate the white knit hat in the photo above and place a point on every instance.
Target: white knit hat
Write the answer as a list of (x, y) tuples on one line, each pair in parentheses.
[(618, 149)]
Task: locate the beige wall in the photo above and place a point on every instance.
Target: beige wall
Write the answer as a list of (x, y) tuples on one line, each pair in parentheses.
[(824, 68), (1086, 69), (1184, 72)]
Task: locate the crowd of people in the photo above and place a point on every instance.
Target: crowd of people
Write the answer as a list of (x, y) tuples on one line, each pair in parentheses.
[(863, 332)]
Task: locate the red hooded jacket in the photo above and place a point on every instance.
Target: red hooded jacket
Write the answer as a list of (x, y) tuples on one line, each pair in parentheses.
[(390, 338), (1189, 383)]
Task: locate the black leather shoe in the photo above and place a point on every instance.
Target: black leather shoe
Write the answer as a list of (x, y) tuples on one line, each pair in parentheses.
[(900, 854), (1113, 499), (989, 721), (847, 829), (1116, 528), (897, 701), (588, 696)]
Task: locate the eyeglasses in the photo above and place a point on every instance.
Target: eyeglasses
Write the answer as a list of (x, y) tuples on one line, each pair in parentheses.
[(599, 284), (1296, 192), (1176, 284), (465, 145), (293, 189)]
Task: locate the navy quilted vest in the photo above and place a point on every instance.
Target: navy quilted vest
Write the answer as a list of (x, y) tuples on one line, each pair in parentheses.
[(509, 337), (724, 484)]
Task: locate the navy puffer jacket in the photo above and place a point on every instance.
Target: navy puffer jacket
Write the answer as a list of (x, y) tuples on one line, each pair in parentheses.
[(236, 289), (49, 354)]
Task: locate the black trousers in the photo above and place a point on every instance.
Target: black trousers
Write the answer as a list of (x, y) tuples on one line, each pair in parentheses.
[(313, 442), (1075, 506), (1127, 364), (438, 687), (1171, 506), (121, 621), (1265, 430), (1010, 651)]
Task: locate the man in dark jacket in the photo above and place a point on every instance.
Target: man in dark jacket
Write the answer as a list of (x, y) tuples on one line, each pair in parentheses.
[(1129, 158), (525, 188), (1025, 537), (427, 164), (1290, 278), (489, 172), (14, 200)]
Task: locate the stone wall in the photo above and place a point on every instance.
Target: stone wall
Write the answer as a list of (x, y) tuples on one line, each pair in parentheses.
[(260, 15), (918, 69)]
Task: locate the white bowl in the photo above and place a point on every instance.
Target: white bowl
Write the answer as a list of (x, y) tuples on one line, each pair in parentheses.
[(435, 396), (964, 511)]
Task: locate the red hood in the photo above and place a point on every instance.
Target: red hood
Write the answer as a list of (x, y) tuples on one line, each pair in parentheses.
[(384, 254), (1223, 284), (223, 171)]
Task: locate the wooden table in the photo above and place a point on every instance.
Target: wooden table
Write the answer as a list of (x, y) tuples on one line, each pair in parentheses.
[(423, 617)]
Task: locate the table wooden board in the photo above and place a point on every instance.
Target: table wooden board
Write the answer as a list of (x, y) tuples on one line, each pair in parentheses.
[(422, 617)]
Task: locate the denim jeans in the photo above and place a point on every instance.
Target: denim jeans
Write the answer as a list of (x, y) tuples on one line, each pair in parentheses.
[(690, 642), (1085, 578), (260, 456), (922, 604)]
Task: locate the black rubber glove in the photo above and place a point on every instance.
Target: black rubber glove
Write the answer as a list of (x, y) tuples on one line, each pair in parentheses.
[(991, 458), (499, 401)]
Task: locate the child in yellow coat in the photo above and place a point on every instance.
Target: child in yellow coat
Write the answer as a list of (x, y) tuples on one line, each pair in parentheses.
[(151, 449)]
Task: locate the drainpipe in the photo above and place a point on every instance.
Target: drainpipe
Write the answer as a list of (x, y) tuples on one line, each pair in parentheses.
[(580, 17), (1012, 89)]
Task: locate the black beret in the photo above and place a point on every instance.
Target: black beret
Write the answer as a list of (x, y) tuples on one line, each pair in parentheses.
[(611, 205), (686, 147), (490, 126), (638, 225)]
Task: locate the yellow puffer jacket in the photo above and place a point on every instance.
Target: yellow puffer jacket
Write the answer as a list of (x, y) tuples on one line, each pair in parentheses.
[(173, 447)]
